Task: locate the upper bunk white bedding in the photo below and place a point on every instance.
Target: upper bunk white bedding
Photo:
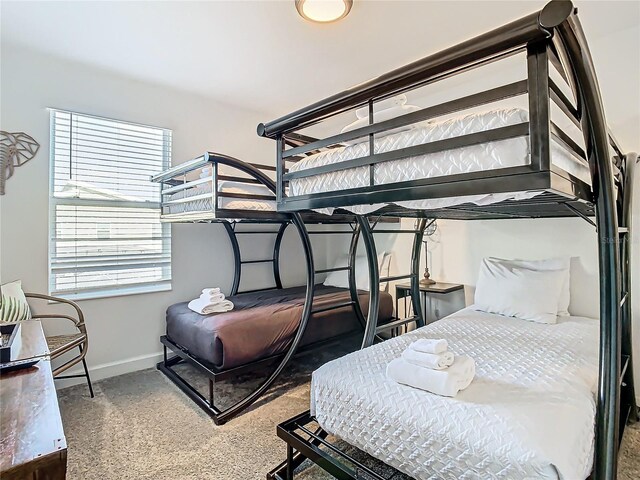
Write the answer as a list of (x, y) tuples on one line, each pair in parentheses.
[(487, 156), (529, 412), (206, 204)]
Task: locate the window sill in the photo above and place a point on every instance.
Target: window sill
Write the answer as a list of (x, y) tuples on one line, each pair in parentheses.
[(121, 292)]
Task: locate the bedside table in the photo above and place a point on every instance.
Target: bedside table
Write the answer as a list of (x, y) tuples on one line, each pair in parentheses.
[(449, 298)]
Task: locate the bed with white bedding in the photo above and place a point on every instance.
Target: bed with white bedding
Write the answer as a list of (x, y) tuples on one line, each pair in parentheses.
[(206, 204), (482, 157), (529, 412)]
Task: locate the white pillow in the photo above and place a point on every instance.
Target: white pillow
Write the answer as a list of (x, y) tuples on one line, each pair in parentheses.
[(559, 263), (397, 101), (340, 278), (384, 115), (519, 292), (13, 303)]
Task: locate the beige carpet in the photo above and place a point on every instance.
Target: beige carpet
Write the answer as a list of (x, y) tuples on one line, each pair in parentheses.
[(140, 426)]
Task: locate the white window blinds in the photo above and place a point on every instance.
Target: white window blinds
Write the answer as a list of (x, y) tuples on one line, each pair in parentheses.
[(106, 235)]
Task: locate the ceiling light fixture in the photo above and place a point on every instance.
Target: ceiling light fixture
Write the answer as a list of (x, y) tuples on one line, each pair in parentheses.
[(323, 11)]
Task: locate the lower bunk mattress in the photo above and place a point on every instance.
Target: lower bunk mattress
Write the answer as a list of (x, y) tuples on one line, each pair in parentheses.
[(263, 324), (529, 412)]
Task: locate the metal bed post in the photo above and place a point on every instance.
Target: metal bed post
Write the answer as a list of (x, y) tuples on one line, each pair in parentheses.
[(237, 259), (628, 397), (276, 254), (570, 41), (214, 185), (280, 168), (353, 288), (415, 271), (539, 105), (374, 282)]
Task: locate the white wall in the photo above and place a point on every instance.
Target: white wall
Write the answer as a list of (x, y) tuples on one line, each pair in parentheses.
[(124, 330)]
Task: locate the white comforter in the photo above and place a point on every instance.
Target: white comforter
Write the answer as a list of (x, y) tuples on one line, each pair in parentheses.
[(529, 413), (486, 156)]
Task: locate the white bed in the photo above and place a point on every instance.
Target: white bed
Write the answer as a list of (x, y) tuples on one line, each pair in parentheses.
[(205, 204), (529, 413), (487, 156)]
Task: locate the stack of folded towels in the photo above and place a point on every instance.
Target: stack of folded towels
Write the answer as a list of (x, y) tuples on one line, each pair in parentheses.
[(427, 364), (211, 301)]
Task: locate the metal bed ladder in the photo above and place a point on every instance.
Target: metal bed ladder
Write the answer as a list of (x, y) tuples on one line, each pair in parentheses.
[(372, 329), (239, 262)]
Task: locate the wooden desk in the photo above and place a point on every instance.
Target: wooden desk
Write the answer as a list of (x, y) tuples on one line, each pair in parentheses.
[(34, 343), (32, 442)]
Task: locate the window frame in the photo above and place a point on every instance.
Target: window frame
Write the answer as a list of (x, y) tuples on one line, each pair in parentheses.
[(113, 290)]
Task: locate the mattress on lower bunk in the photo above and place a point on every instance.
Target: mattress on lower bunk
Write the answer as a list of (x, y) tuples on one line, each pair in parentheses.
[(263, 324), (529, 412), (206, 204), (475, 158)]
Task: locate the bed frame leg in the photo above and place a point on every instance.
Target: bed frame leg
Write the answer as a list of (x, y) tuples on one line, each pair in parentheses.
[(289, 462)]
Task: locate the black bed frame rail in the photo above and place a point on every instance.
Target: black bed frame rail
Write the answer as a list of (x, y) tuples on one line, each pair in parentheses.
[(304, 441), (552, 35), (532, 34), (540, 174), (179, 179)]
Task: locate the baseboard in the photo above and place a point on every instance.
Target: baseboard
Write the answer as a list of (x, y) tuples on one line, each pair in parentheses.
[(110, 369)]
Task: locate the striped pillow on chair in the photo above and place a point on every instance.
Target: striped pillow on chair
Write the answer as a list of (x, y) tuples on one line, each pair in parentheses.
[(13, 303)]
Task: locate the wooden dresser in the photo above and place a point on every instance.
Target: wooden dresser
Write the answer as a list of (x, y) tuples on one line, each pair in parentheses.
[(32, 442)]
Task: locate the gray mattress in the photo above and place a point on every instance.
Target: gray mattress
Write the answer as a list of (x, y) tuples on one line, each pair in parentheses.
[(263, 323)]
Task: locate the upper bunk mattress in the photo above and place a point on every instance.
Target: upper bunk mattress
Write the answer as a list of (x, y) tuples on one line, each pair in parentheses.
[(206, 204), (529, 412), (482, 157), (263, 323)]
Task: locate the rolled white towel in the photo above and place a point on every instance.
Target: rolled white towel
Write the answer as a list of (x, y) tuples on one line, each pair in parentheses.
[(211, 291), (438, 361), (205, 308), (430, 345), (441, 382), (215, 298)]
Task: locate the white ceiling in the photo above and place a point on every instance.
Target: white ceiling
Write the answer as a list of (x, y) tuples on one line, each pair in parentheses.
[(261, 54)]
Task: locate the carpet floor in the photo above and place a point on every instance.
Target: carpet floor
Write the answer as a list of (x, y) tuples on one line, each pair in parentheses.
[(140, 426)]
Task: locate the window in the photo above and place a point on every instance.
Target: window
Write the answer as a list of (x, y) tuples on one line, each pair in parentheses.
[(106, 234)]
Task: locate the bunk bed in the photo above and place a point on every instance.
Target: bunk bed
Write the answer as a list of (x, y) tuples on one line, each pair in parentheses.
[(266, 326), (538, 170)]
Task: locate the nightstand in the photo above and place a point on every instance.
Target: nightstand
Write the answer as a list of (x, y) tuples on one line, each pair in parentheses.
[(438, 300)]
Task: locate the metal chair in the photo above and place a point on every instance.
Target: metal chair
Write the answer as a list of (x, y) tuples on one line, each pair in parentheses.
[(61, 344)]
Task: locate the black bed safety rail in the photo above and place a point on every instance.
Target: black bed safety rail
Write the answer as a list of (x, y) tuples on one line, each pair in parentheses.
[(181, 186), (552, 35), (305, 442), (532, 34)]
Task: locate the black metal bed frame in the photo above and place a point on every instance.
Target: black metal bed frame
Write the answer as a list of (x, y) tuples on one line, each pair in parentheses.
[(230, 219), (553, 36)]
